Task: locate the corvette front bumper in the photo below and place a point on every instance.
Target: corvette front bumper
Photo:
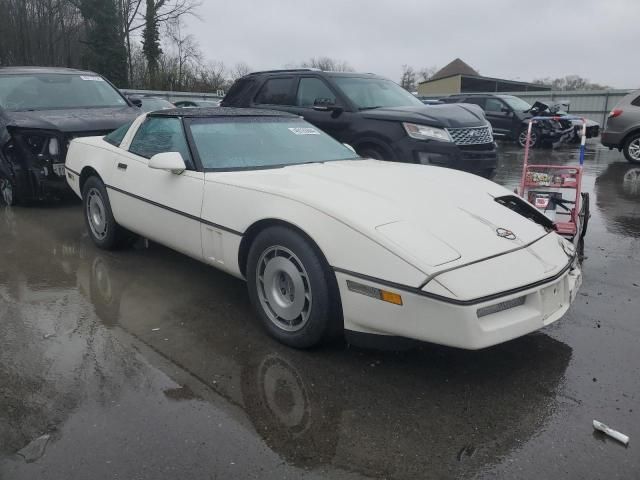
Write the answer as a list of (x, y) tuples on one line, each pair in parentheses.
[(467, 325)]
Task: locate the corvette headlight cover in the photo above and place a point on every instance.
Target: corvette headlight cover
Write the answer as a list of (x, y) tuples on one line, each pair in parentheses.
[(424, 132)]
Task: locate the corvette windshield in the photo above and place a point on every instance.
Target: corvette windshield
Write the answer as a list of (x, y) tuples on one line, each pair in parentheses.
[(226, 143), (52, 91)]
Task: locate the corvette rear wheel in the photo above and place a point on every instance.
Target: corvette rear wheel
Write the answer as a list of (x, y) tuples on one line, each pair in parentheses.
[(101, 225), (289, 286)]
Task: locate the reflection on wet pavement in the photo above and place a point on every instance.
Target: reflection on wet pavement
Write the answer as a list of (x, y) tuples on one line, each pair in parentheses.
[(146, 364)]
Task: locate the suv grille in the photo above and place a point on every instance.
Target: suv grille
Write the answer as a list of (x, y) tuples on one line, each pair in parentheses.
[(471, 136)]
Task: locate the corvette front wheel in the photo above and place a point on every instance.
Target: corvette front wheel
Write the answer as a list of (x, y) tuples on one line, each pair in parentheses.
[(290, 287)]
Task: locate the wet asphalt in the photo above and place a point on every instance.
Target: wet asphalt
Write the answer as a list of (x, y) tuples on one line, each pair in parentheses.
[(144, 364)]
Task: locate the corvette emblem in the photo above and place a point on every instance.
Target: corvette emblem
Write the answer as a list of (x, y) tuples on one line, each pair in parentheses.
[(504, 233)]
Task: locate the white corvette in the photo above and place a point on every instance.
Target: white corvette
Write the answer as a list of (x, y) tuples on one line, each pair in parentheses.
[(324, 238)]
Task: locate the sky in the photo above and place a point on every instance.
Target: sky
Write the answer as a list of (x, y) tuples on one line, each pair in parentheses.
[(511, 39)]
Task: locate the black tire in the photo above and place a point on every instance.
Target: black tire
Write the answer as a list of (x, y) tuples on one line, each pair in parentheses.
[(585, 213), (8, 192), (374, 152), (285, 274), (535, 137), (112, 236), (631, 148)]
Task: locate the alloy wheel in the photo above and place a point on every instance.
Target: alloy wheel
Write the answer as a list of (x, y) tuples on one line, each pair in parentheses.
[(634, 149), (283, 288), (96, 214)]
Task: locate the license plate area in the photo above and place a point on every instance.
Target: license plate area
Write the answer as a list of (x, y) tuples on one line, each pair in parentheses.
[(553, 299), (58, 169)]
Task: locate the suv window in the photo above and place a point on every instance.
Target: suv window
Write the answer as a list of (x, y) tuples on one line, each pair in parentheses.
[(312, 89), (158, 135), (276, 91), (493, 105), (475, 101), (636, 102)]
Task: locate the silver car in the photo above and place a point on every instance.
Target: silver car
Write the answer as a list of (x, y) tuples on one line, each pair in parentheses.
[(623, 127)]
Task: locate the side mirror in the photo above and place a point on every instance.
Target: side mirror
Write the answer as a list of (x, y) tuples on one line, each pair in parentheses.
[(326, 105), (506, 110), (136, 101), (169, 161)]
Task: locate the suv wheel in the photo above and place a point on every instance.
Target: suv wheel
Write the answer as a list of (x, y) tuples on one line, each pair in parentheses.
[(374, 152), (535, 137), (631, 148)]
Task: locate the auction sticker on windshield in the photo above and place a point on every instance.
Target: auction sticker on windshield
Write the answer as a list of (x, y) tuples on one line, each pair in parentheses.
[(304, 131)]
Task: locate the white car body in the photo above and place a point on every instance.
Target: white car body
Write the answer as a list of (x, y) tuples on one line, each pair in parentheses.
[(429, 234)]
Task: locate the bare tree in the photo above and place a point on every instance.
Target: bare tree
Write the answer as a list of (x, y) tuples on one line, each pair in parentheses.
[(570, 82), (239, 70), (408, 78), (327, 64), (186, 48), (425, 73)]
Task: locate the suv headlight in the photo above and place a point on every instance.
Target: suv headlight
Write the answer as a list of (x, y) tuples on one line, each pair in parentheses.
[(423, 132)]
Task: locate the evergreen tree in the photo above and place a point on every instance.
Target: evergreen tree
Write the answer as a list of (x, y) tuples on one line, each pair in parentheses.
[(106, 51), (151, 40)]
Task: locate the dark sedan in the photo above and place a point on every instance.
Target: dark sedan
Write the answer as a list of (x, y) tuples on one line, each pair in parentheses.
[(41, 110)]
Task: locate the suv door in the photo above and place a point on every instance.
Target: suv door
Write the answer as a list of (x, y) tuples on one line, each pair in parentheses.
[(299, 98), (500, 115), (160, 205)]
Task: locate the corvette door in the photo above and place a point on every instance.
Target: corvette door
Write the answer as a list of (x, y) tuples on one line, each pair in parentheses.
[(158, 204)]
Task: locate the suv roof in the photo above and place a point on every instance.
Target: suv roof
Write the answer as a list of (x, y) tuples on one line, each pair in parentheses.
[(311, 70)]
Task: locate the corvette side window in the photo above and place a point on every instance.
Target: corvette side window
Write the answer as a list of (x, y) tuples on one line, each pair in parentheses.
[(158, 135), (115, 138)]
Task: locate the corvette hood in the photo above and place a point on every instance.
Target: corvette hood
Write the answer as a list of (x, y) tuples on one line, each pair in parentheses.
[(73, 120), (429, 216), (443, 116)]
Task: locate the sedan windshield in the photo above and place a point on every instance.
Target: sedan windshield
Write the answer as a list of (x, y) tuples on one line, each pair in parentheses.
[(516, 103), (249, 143), (51, 91), (368, 93)]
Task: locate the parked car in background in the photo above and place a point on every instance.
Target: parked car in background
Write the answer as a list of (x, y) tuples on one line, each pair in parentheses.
[(508, 116), (41, 110), (593, 127), (376, 116), (326, 240), (623, 127), (197, 103), (151, 103)]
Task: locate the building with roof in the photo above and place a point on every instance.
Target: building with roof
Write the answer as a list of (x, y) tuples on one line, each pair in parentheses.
[(459, 77)]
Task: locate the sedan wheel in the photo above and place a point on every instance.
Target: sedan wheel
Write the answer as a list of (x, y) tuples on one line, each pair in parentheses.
[(292, 288), (283, 288), (632, 149)]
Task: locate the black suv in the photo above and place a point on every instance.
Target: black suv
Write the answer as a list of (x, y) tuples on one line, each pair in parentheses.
[(376, 116), (509, 114)]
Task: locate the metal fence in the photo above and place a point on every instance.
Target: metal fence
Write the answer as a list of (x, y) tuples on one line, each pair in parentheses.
[(176, 96)]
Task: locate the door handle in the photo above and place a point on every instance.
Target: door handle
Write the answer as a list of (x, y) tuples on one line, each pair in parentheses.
[(122, 166)]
